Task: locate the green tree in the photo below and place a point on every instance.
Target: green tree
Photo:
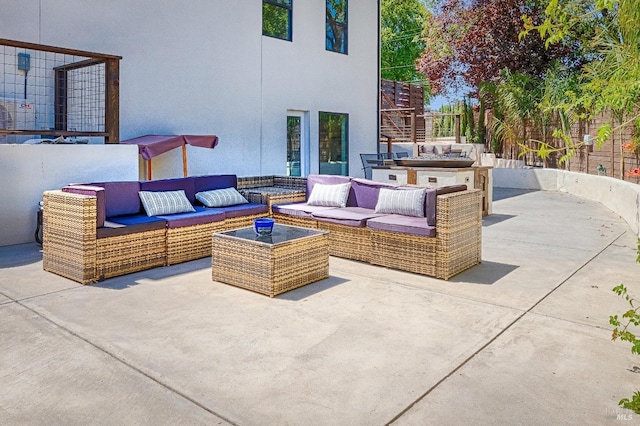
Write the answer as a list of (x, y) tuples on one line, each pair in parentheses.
[(469, 42), (514, 100), (402, 38), (609, 33), (623, 329)]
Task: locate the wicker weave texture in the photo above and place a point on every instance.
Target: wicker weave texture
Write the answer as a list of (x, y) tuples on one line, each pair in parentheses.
[(272, 190), (302, 222), (291, 197), (240, 221), (273, 195), (349, 242), (294, 182), (459, 232), (291, 182), (270, 269), (190, 242), (254, 181), (125, 254), (405, 252), (69, 236), (456, 247)]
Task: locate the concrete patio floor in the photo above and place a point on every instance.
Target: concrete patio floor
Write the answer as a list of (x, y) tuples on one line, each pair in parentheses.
[(522, 338)]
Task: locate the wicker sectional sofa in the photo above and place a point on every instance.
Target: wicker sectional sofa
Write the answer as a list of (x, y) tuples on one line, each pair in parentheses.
[(443, 243), (96, 231), (100, 230)]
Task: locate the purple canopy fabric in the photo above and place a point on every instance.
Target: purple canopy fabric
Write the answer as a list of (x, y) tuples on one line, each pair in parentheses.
[(150, 146)]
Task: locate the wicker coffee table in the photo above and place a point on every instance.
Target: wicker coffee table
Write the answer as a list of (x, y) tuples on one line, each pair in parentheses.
[(289, 258)]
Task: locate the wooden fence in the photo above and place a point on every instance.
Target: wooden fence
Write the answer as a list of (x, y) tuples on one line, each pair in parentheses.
[(609, 159)]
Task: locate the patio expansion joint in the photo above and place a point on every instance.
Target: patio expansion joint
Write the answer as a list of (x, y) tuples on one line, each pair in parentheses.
[(568, 321), (35, 296), (122, 361), (500, 333), (547, 244)]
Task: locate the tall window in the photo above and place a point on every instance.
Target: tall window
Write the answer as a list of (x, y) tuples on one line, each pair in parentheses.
[(334, 144), (294, 137), (276, 18), (337, 26)]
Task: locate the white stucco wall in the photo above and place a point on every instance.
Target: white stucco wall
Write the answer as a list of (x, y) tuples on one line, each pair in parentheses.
[(623, 198), (28, 170), (203, 67)]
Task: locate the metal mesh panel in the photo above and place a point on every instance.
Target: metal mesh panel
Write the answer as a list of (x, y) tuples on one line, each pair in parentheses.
[(44, 92)]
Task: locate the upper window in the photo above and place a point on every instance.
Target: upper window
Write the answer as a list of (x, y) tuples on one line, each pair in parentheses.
[(337, 26), (276, 18)]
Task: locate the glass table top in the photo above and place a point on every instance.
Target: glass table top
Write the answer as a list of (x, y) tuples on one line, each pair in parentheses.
[(280, 234)]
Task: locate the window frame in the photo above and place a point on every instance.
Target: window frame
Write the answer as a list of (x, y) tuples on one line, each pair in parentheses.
[(332, 23), (304, 139), (289, 9)]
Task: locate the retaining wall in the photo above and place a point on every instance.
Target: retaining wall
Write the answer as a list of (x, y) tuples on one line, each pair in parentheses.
[(623, 198)]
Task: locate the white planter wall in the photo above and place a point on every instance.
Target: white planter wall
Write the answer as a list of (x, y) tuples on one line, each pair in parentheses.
[(26, 171)]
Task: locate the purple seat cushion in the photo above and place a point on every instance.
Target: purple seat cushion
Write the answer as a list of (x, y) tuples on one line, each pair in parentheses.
[(94, 191), (348, 216), (124, 225), (200, 216), (331, 180), (186, 184), (206, 183), (120, 198), (366, 192), (299, 209), (403, 225), (244, 209)]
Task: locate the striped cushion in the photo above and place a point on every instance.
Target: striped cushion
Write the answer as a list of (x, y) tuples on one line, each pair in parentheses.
[(404, 202), (329, 195), (221, 197), (165, 202)]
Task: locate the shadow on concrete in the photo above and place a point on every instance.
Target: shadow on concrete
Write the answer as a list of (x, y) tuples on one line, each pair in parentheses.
[(486, 273), (492, 219), (158, 273), (117, 283), (20, 255), (311, 289), (502, 193)]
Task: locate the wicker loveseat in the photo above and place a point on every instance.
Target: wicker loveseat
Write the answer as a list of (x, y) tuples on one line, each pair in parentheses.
[(100, 230), (443, 243)]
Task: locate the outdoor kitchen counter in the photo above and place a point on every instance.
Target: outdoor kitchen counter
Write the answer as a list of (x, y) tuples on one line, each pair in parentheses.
[(479, 177)]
